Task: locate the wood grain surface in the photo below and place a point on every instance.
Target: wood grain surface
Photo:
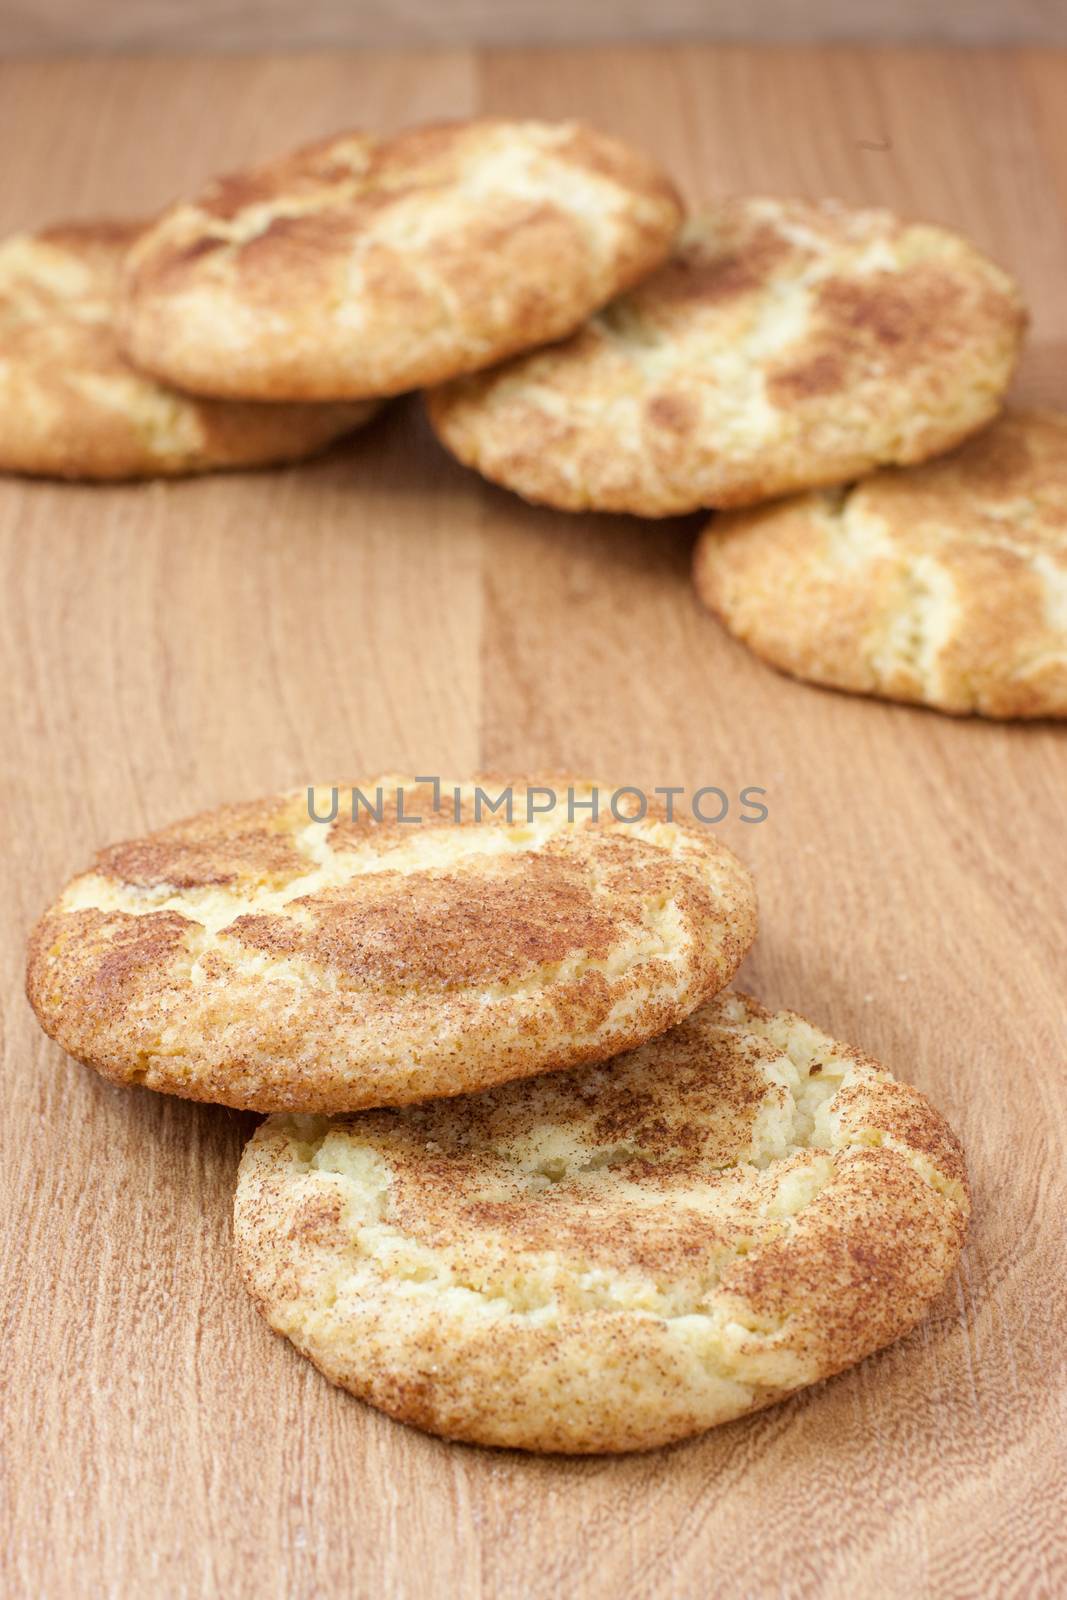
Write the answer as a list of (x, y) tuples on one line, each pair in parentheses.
[(167, 647)]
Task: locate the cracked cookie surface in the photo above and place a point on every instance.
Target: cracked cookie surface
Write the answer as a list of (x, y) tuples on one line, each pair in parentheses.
[(944, 585), (258, 958), (72, 406), (615, 1257), (785, 345), (362, 266)]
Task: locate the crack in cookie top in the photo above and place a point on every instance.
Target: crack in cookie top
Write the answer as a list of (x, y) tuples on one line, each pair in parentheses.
[(263, 959), (785, 345), (613, 1257), (71, 405), (363, 266)]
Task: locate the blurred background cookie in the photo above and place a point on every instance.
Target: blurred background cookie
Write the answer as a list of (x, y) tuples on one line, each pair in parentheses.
[(616, 1257), (786, 345), (258, 958), (72, 406), (361, 266), (944, 584)]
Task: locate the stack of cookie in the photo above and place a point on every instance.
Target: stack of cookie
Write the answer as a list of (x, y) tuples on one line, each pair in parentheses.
[(790, 349), (533, 1175), (587, 350), (270, 315)]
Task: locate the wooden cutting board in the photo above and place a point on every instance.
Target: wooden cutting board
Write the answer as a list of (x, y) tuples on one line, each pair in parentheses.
[(170, 646)]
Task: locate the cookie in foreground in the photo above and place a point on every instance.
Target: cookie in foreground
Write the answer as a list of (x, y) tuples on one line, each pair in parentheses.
[(72, 406), (944, 585), (786, 345), (258, 958), (362, 266), (612, 1258)]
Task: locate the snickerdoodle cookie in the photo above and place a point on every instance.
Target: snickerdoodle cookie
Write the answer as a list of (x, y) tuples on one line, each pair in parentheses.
[(786, 345), (263, 959), (944, 584), (363, 266), (614, 1257)]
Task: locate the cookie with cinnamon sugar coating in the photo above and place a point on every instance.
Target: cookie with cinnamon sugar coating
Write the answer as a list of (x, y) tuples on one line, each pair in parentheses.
[(785, 345), (942, 585), (616, 1257), (362, 266), (258, 958)]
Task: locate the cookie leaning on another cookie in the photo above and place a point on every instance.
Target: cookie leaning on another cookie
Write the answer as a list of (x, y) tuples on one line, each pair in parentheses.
[(786, 345), (71, 405), (257, 958), (612, 1258), (363, 266), (944, 585)]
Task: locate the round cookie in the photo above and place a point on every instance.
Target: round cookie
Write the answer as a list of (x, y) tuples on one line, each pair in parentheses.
[(944, 585), (71, 406), (612, 1258), (257, 958), (785, 346), (361, 266)]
